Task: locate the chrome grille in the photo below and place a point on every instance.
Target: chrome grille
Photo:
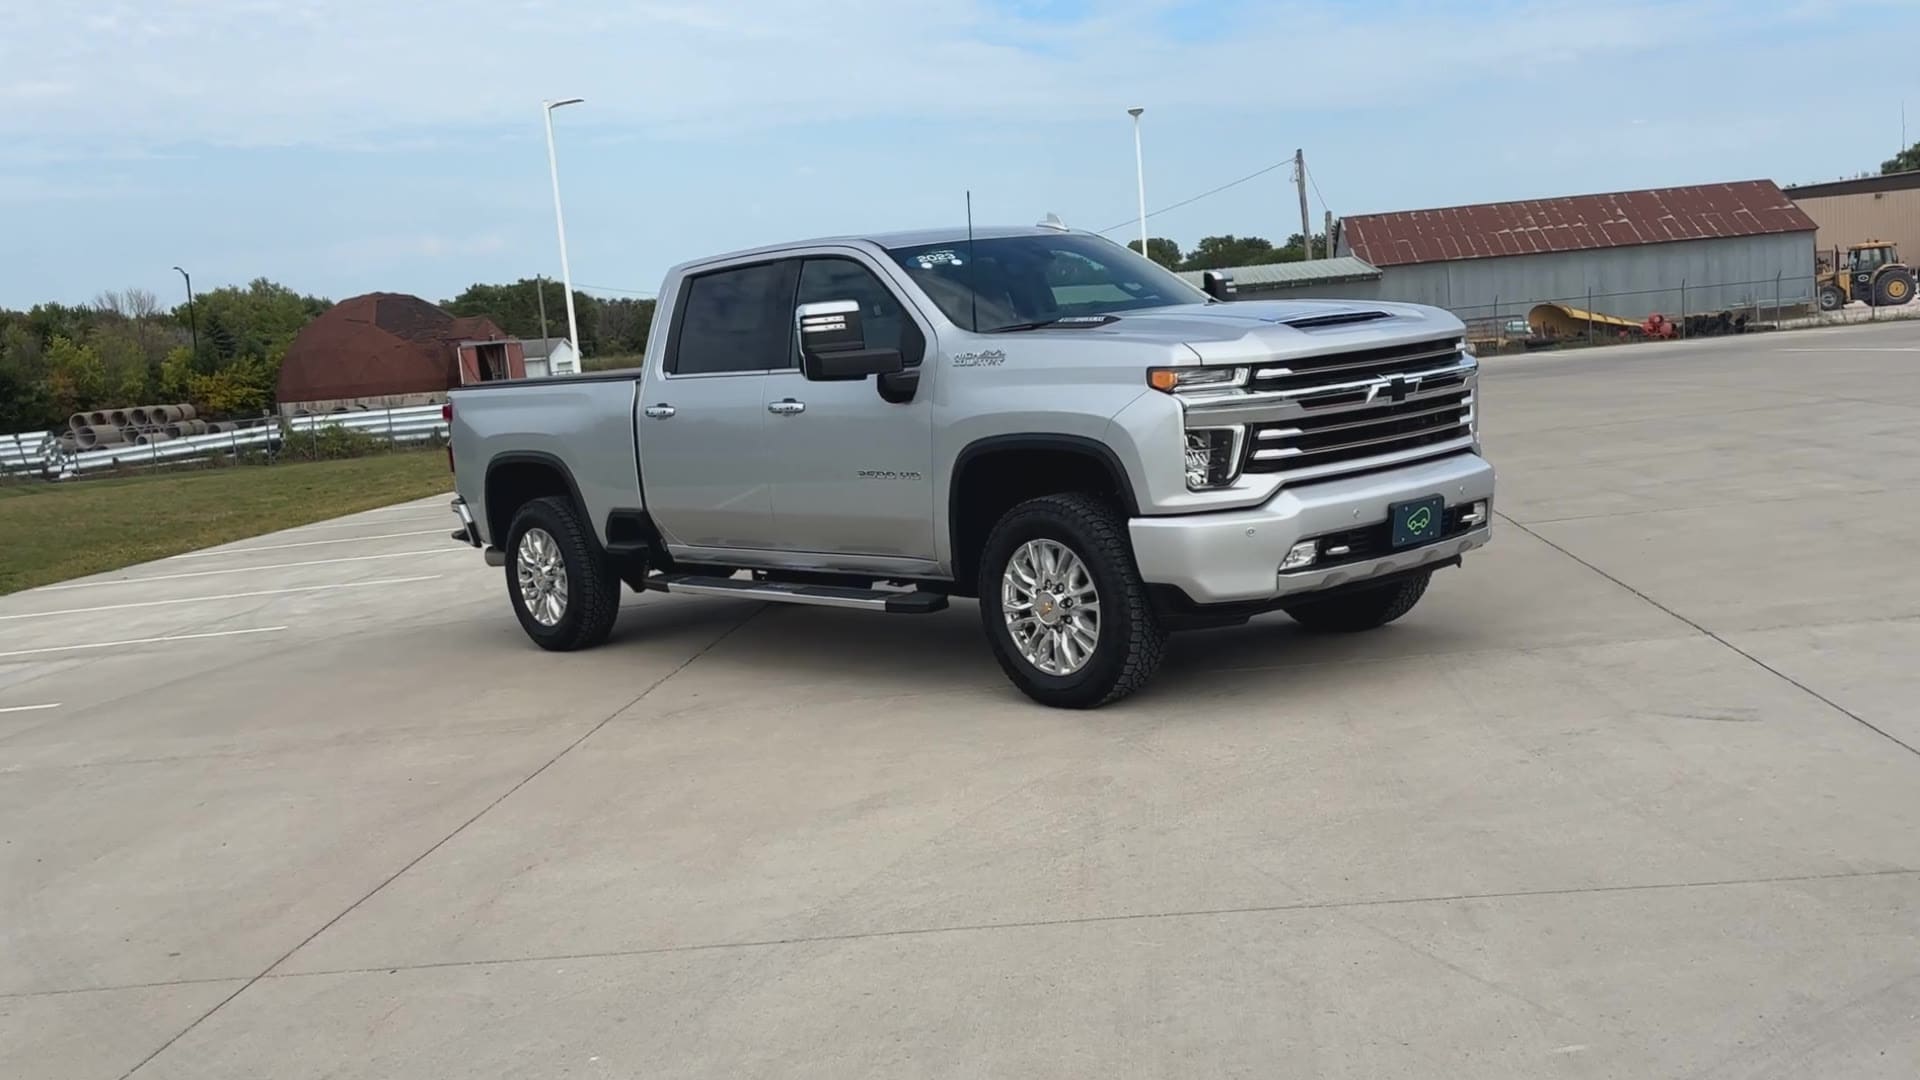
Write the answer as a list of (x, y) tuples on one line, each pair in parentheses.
[(1357, 411), (1356, 366), (1436, 418)]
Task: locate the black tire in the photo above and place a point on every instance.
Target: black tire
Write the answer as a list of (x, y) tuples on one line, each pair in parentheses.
[(1130, 641), (1831, 298), (593, 588), (1362, 609), (1894, 289)]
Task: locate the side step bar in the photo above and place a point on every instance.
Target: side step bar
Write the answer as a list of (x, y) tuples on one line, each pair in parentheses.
[(892, 602)]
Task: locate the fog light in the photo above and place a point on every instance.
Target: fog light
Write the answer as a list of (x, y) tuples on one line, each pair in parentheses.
[(1303, 555), (1475, 515)]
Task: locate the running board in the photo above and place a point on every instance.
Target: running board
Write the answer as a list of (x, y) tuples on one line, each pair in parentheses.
[(892, 602)]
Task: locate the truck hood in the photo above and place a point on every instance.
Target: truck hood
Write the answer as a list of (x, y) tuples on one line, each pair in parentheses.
[(1250, 331)]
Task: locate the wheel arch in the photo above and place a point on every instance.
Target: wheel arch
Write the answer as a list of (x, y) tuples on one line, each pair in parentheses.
[(993, 474), (517, 477)]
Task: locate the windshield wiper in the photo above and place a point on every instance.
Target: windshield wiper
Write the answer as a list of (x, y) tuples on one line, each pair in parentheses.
[(1016, 327)]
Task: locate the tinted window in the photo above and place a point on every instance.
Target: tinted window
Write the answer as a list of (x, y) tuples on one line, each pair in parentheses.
[(1020, 280), (735, 320), (883, 318)]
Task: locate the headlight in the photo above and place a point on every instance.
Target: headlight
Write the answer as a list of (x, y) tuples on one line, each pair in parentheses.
[(1182, 379), (1213, 457)]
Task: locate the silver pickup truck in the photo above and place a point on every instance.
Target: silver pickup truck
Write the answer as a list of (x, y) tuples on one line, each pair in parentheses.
[(1036, 417)]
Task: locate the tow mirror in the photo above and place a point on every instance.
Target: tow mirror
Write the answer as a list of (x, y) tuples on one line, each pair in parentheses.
[(1219, 285), (833, 343)]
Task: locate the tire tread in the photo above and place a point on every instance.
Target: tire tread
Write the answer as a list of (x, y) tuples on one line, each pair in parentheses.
[(593, 589), (1145, 644)]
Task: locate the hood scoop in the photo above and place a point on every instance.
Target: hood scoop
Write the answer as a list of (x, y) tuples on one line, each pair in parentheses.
[(1337, 318)]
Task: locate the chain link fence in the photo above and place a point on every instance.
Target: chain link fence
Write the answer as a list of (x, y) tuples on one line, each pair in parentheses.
[(1685, 310)]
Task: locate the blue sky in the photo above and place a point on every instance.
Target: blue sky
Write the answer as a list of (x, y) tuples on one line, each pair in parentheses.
[(345, 146)]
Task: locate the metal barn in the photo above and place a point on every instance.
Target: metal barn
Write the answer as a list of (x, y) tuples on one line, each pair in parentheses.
[(1685, 250)]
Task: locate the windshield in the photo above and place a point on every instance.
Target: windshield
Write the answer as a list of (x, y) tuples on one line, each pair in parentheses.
[(1015, 282)]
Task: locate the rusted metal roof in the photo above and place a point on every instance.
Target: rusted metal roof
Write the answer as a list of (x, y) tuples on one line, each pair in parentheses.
[(378, 345), (1574, 223)]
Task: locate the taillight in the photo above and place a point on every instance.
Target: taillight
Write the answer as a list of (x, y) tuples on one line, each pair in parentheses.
[(446, 417)]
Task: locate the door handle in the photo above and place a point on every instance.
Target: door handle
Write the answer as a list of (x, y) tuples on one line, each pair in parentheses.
[(660, 412), (786, 407)]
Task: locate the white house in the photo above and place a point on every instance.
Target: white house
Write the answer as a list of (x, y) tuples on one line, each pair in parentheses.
[(554, 356)]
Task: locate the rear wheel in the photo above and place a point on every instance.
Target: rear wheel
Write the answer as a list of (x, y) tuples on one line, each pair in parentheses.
[(1894, 288), (1831, 298), (1063, 604), (564, 591), (1362, 609)]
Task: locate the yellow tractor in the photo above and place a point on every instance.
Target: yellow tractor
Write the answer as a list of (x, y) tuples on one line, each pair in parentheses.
[(1871, 272)]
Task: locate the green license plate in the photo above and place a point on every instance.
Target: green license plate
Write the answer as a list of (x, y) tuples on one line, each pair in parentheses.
[(1418, 521)]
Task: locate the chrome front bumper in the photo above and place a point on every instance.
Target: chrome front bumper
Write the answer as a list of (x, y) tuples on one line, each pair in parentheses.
[(1234, 556)]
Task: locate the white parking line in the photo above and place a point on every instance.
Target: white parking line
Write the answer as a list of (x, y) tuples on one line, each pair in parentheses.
[(142, 641), (311, 543), (222, 596), (27, 708), (386, 521), (448, 550)]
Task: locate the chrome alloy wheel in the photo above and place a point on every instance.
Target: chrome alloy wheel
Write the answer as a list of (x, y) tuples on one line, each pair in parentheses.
[(543, 577), (1051, 606)]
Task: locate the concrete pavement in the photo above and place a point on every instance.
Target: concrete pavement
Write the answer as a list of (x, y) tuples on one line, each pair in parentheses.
[(1633, 793)]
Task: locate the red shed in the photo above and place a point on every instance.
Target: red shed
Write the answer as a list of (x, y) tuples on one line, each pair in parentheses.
[(385, 350)]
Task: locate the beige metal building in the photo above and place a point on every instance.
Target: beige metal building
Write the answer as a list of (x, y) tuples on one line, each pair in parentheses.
[(1870, 208)]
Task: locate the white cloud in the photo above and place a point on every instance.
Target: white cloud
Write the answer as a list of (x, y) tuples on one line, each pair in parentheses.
[(254, 72), (390, 247)]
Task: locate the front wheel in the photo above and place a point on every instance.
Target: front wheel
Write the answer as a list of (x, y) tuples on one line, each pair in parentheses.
[(1831, 298), (565, 593), (1894, 288), (1063, 604), (1361, 609)]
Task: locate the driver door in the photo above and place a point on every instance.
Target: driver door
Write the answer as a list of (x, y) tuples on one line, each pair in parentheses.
[(852, 470)]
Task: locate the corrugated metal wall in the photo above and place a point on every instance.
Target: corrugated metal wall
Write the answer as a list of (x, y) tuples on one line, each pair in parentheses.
[(1630, 282), (1343, 290), (1867, 215)]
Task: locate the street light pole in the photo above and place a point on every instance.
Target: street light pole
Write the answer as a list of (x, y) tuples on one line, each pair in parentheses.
[(1140, 177), (193, 321), (560, 225)]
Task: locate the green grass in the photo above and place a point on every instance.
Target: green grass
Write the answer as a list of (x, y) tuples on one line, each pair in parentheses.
[(51, 532), (613, 362)]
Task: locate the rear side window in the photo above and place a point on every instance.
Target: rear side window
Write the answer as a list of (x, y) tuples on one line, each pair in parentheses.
[(735, 320)]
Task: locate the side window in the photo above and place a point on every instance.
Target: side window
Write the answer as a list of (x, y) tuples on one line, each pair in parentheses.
[(886, 322), (735, 320)]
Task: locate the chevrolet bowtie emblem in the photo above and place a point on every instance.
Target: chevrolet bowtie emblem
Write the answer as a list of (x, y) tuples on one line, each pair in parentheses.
[(1396, 387)]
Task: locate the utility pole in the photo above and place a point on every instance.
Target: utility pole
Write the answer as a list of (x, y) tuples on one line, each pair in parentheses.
[(1328, 253), (1306, 223), (540, 288), (193, 320)]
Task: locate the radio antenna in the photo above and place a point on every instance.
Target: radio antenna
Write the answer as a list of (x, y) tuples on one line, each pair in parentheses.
[(973, 268)]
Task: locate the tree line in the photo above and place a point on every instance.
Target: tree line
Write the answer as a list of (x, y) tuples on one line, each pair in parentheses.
[(1222, 252), (224, 353)]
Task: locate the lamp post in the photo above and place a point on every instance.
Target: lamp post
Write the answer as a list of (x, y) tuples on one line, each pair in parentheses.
[(560, 222), (193, 321), (1140, 177)]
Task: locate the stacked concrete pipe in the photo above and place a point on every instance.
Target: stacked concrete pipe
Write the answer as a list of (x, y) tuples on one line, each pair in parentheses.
[(90, 437)]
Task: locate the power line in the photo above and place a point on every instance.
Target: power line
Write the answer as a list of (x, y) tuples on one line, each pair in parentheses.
[(608, 288), (1202, 195), (1316, 190)]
